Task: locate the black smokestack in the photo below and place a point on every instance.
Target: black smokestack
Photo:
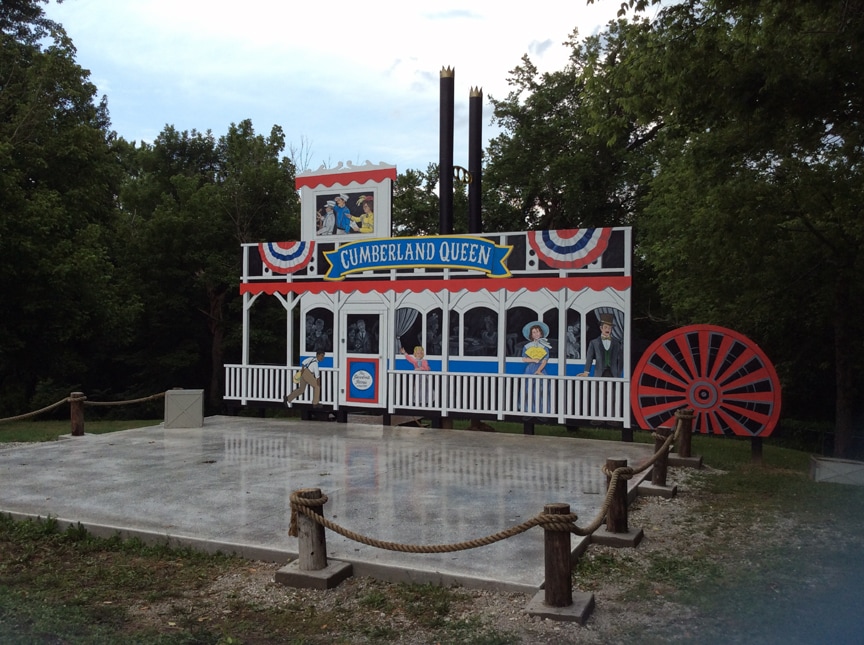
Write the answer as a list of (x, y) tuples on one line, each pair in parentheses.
[(475, 154), (445, 163)]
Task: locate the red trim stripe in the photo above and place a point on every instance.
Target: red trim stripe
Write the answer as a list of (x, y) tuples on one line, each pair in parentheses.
[(345, 178), (618, 283)]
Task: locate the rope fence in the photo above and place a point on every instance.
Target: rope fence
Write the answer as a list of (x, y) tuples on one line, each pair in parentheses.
[(307, 521), (34, 413), (556, 522), (145, 399), (77, 401)]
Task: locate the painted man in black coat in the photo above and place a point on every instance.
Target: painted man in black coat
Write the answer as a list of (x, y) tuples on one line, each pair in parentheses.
[(604, 349)]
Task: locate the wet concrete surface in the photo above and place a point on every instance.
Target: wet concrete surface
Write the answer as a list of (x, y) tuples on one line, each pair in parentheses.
[(226, 486)]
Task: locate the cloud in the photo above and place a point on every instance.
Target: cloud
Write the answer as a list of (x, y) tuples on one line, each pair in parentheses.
[(454, 14), (537, 49), (356, 80)]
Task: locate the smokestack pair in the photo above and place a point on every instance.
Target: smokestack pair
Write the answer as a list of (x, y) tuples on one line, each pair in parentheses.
[(445, 164)]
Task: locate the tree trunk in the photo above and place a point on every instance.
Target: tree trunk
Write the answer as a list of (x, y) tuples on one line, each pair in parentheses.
[(217, 335), (844, 414)]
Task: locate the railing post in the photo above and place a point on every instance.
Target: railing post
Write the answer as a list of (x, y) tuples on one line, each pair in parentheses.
[(661, 466), (311, 541), (558, 590), (684, 441), (756, 451), (616, 516), (556, 601), (684, 419), (311, 570), (76, 413), (617, 532)]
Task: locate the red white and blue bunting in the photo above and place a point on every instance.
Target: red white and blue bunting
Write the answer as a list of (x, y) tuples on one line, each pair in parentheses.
[(569, 248), (286, 257)]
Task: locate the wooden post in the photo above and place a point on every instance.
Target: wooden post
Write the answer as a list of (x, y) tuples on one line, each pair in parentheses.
[(616, 516), (756, 450), (661, 466), (558, 590), (311, 542), (684, 419), (76, 413)]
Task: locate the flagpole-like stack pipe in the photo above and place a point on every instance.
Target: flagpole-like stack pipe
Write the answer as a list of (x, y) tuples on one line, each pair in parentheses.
[(445, 164), (475, 156)]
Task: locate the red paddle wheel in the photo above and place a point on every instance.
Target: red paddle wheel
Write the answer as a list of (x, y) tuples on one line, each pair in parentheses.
[(723, 376)]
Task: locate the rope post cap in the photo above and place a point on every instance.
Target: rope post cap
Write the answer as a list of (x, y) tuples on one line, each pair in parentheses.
[(309, 497), (305, 498), (308, 492), (617, 465)]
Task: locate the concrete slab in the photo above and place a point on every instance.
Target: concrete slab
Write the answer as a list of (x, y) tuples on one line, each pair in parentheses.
[(226, 486)]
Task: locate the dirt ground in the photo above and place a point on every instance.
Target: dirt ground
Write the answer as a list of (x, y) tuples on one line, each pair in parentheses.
[(678, 585)]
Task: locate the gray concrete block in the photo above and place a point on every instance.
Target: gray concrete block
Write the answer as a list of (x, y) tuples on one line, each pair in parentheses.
[(327, 578), (578, 612), (631, 538)]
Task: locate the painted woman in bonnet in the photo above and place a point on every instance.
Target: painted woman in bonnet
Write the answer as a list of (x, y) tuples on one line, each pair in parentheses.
[(535, 353)]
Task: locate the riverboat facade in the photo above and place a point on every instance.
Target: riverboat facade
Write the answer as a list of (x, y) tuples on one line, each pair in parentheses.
[(368, 300)]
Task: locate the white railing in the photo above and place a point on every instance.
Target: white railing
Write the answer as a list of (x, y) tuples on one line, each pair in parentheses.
[(554, 398), (503, 395), (271, 383)]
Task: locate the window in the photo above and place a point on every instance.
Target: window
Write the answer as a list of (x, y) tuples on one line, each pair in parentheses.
[(319, 330)]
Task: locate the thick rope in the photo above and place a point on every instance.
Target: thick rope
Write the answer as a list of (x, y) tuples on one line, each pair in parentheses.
[(82, 399), (152, 397), (48, 408), (306, 506), (655, 457), (564, 522)]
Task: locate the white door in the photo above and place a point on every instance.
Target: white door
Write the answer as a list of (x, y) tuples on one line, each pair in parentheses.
[(362, 346)]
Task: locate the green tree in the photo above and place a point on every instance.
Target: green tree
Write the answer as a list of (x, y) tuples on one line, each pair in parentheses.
[(754, 214), (415, 203), (416, 209), (729, 134), (568, 156), (572, 155), (189, 203), (25, 22), (63, 308)]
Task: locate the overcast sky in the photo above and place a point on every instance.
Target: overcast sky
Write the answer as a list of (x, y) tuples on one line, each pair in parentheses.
[(354, 81)]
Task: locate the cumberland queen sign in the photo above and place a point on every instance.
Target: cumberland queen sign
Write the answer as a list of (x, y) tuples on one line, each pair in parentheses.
[(444, 252)]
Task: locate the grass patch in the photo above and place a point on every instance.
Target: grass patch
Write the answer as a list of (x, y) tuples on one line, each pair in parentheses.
[(36, 431), (429, 605), (720, 452), (67, 586), (377, 600), (587, 432), (774, 556)]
